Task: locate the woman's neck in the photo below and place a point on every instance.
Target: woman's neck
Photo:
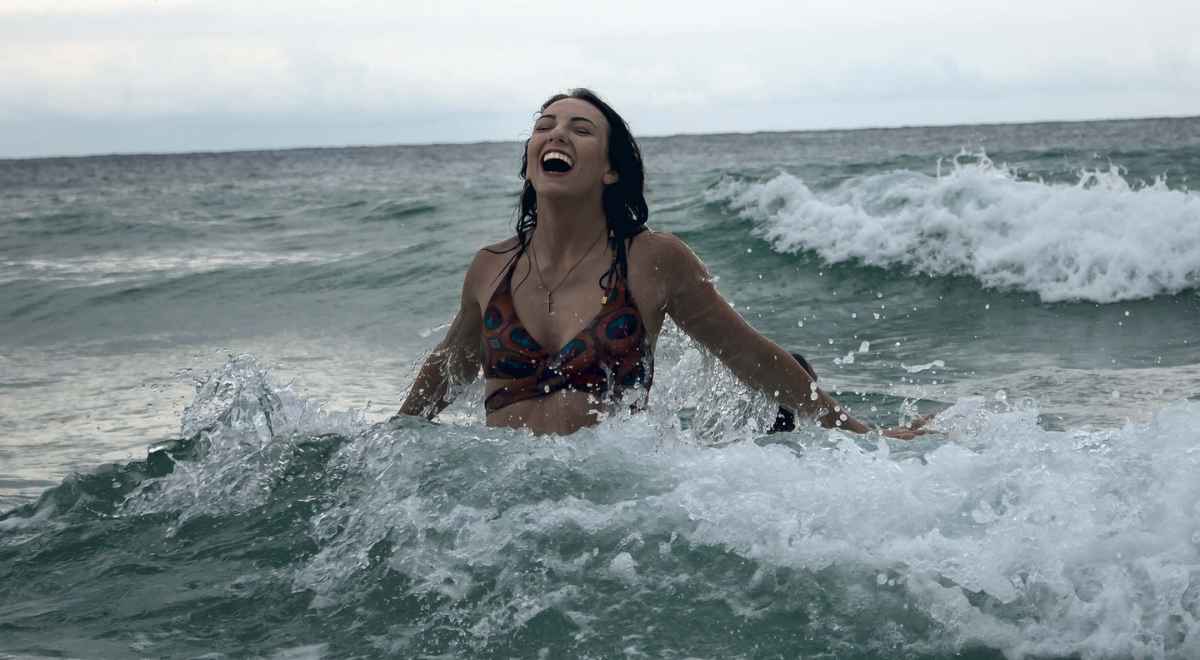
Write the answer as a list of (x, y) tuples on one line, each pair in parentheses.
[(566, 230)]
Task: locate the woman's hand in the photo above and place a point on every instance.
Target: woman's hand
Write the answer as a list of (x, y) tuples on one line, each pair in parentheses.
[(910, 430)]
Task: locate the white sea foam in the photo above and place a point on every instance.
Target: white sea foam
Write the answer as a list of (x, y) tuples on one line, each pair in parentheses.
[(918, 368), (1032, 542), (101, 269), (1101, 240), (248, 429), (997, 532)]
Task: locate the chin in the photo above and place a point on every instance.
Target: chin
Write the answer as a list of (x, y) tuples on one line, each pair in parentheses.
[(570, 187), (557, 189)]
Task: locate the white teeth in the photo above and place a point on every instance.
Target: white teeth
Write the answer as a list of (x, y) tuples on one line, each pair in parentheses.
[(559, 155)]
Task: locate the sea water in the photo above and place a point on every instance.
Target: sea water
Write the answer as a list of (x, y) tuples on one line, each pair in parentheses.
[(199, 353)]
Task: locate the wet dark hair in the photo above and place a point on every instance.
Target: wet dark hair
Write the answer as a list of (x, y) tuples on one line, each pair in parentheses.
[(625, 209)]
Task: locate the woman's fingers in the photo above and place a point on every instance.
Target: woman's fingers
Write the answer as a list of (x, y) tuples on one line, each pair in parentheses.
[(921, 421), (902, 433)]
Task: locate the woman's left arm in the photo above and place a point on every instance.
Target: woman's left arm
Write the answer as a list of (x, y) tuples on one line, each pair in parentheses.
[(698, 309)]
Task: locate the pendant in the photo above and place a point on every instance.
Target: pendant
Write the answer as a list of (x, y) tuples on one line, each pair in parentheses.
[(550, 303)]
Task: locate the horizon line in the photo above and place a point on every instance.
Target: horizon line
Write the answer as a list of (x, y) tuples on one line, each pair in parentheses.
[(387, 145)]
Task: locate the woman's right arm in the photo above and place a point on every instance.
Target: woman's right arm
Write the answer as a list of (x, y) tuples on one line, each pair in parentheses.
[(693, 302), (456, 360)]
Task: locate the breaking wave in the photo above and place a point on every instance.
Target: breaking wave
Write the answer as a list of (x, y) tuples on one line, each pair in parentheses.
[(1102, 239)]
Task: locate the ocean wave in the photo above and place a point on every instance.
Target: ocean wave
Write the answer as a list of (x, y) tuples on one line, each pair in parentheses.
[(114, 268), (390, 210), (411, 538), (1102, 239)]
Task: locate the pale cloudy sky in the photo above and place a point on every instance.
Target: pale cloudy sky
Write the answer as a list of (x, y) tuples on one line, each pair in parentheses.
[(102, 76)]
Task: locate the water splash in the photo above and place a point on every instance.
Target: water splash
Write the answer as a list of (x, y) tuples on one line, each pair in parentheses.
[(415, 538)]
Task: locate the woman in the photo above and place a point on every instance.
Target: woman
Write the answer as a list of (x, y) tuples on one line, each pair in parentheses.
[(564, 316)]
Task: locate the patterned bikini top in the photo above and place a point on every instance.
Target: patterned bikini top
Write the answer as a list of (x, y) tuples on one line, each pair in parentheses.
[(610, 354)]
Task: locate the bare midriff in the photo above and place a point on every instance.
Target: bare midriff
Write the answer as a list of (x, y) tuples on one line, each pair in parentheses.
[(562, 412)]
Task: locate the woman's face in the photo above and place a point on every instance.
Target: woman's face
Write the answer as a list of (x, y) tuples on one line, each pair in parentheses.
[(568, 151)]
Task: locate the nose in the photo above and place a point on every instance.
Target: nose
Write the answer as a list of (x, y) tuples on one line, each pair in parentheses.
[(559, 132)]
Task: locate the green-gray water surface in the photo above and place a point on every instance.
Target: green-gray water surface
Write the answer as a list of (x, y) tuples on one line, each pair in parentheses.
[(197, 352)]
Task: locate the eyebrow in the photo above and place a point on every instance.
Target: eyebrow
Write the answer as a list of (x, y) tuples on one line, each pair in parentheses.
[(575, 118)]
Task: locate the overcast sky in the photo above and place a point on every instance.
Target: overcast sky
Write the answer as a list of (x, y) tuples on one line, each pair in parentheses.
[(102, 76)]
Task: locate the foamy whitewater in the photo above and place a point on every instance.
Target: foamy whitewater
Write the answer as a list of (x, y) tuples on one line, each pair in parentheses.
[(199, 355), (1099, 239)]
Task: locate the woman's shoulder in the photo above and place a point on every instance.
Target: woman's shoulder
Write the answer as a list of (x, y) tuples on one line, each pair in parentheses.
[(489, 261), (500, 252), (661, 248), (661, 264), (503, 247)]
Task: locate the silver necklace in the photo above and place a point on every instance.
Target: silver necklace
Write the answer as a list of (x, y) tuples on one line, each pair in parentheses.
[(550, 290)]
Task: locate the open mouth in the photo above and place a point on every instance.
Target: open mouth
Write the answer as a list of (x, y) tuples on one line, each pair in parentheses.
[(557, 162)]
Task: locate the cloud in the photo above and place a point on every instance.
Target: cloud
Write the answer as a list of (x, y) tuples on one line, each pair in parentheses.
[(410, 68)]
